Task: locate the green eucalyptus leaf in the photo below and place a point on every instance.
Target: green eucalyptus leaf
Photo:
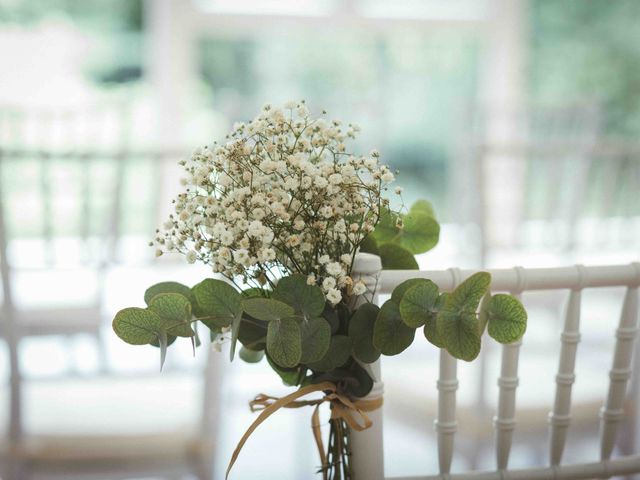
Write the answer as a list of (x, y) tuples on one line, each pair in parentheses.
[(139, 326), (337, 355), (483, 316), (176, 309), (307, 300), (267, 309), (395, 257), (316, 338), (217, 302), (418, 304), (361, 332), (390, 334), (235, 330), (253, 333), (402, 288), (170, 340), (289, 376), (422, 207), (284, 342), (467, 296), (507, 318), (331, 315), (459, 332), (386, 230), (253, 293), (168, 287), (251, 356), (162, 343), (360, 383), (369, 245), (431, 325), (420, 232), (431, 332)]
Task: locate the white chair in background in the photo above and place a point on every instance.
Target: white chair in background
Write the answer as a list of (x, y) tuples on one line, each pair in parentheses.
[(552, 190), (79, 193), (619, 408)]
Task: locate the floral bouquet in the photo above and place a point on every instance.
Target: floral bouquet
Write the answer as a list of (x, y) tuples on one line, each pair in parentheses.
[(281, 210)]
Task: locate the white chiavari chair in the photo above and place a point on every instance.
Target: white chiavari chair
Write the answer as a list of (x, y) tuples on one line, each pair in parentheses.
[(94, 223), (619, 403)]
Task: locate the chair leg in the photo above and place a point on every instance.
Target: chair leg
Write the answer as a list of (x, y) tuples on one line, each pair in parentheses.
[(14, 468)]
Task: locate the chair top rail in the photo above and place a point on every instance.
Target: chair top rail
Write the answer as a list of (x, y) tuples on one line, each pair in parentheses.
[(524, 279), (83, 154), (604, 469)]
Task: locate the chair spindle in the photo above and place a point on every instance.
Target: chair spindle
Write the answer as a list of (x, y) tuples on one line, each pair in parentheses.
[(560, 417), (612, 413)]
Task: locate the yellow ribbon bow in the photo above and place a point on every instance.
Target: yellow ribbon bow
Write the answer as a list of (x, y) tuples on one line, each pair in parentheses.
[(343, 408)]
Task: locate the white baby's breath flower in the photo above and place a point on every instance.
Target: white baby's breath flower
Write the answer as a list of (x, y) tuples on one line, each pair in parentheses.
[(334, 269), (388, 177), (191, 256), (334, 296), (311, 279), (359, 288), (281, 195), (329, 283)]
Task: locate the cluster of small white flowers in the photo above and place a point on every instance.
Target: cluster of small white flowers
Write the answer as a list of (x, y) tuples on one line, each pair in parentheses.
[(282, 195)]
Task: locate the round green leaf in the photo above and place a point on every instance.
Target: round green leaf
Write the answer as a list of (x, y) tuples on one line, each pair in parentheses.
[(170, 340), (266, 309), (253, 292), (402, 288), (431, 332), (386, 230), (139, 326), (168, 287), (176, 309), (217, 302), (293, 290), (483, 316), (390, 334), (422, 206), (467, 296), (395, 257), (459, 332), (420, 232), (316, 338), (361, 383), (507, 318), (361, 332), (336, 356), (418, 304), (431, 325), (330, 314), (289, 376), (284, 342), (251, 356), (253, 333), (369, 245)]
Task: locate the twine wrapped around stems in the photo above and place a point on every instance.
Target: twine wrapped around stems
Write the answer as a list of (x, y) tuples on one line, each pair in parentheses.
[(352, 412)]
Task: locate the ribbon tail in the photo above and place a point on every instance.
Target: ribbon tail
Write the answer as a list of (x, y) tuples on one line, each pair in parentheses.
[(317, 435), (270, 410)]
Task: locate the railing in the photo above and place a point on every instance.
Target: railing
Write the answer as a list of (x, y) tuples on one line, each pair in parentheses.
[(516, 281)]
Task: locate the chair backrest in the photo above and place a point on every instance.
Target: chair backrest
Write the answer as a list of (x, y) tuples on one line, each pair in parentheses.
[(552, 182), (516, 281)]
